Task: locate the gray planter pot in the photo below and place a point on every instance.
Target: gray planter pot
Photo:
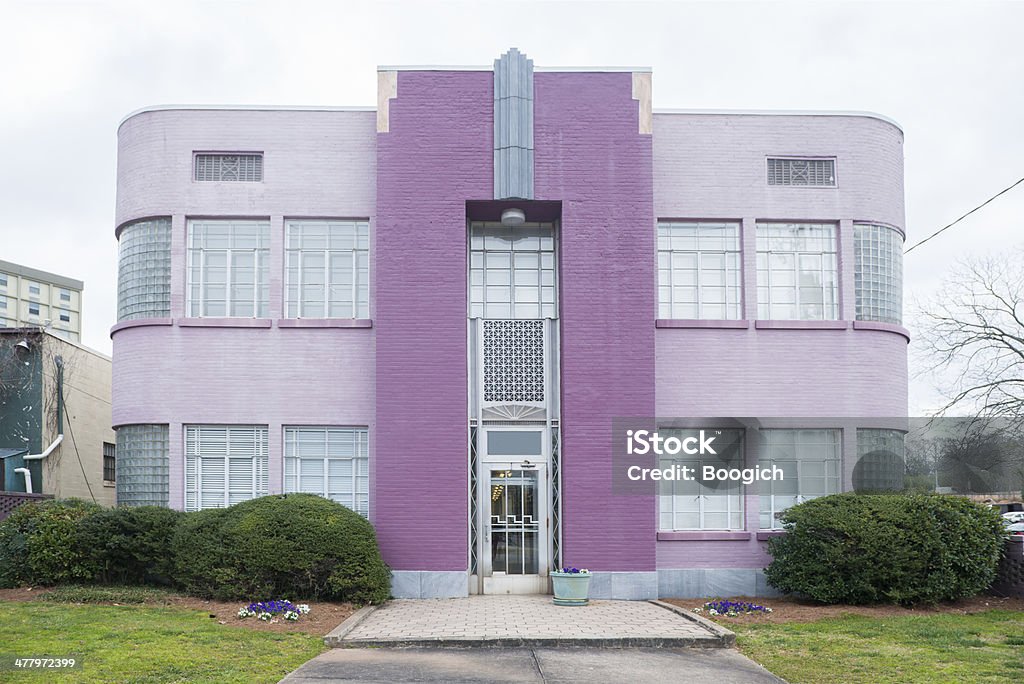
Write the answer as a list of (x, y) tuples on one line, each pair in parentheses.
[(570, 588)]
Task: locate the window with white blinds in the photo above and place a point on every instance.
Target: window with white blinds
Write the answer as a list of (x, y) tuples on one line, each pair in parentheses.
[(224, 465), (330, 461), (327, 269), (229, 268)]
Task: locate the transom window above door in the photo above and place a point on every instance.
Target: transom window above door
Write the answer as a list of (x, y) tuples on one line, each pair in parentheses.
[(512, 271)]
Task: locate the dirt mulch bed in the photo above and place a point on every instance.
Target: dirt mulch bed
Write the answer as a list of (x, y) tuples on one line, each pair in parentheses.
[(321, 619), (793, 610)]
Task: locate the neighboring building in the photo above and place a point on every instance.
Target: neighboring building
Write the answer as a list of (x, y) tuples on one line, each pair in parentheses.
[(55, 400), (29, 297), (327, 300)]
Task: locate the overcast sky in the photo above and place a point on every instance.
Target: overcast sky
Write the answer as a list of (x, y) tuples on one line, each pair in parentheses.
[(951, 74)]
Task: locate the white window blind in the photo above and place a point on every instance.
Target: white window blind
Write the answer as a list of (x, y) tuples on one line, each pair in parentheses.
[(328, 269), (330, 461), (699, 272), (797, 271), (810, 463), (229, 268), (224, 465)]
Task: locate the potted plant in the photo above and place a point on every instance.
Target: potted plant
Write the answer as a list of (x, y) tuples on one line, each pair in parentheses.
[(571, 586)]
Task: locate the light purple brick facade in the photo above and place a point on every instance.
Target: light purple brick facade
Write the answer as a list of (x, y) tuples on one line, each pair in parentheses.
[(403, 373)]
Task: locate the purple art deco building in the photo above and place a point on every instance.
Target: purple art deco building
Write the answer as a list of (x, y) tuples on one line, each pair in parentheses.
[(433, 311)]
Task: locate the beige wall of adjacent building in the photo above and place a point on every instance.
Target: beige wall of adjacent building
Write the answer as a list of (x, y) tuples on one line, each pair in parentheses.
[(75, 468), (29, 297)]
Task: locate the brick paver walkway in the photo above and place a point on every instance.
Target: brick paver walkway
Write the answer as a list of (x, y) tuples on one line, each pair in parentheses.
[(528, 618)]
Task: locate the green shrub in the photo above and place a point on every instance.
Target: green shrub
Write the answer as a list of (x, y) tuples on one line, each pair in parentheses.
[(128, 545), (885, 548), (37, 543), (284, 546)]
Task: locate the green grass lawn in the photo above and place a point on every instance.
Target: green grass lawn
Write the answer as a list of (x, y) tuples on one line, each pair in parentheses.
[(981, 647), (141, 644)]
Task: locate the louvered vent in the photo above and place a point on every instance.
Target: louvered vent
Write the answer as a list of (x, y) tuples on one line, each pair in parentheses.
[(811, 172), (229, 168)]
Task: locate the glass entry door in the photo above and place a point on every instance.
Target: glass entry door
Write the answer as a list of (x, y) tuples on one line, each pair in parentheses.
[(515, 517)]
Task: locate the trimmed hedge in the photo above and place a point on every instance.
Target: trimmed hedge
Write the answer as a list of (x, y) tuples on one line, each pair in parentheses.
[(294, 545), (37, 543), (127, 545), (886, 548)]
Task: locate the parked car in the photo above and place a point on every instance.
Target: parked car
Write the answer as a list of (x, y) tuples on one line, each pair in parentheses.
[(1015, 528), (1014, 517)]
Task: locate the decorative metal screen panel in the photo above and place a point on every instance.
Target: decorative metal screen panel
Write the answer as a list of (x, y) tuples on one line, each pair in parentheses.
[(818, 172), (513, 361), (229, 167)]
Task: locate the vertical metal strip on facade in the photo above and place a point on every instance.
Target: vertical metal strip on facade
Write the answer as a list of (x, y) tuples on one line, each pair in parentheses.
[(513, 126)]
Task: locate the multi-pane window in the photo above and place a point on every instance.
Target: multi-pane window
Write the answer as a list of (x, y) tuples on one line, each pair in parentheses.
[(33, 309), (331, 462), (247, 167), (65, 295), (3, 302), (810, 464), (512, 271), (33, 289), (109, 462), (880, 460), (328, 269), (65, 317), (3, 280), (229, 268), (792, 171), (696, 504), (224, 464), (797, 273), (699, 272), (878, 274)]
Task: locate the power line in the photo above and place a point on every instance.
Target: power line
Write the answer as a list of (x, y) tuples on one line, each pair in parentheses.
[(918, 244)]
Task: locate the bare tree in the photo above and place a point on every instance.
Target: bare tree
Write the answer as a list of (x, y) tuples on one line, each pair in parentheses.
[(973, 337)]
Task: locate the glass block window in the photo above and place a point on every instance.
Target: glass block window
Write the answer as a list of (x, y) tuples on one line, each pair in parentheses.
[(881, 460), (229, 268), (144, 270), (245, 167), (878, 274), (329, 461), (224, 465), (797, 272), (109, 462), (699, 270), (807, 172), (143, 465), (810, 461), (328, 269), (696, 505), (512, 271)]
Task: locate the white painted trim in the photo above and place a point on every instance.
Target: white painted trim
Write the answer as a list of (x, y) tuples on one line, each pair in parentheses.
[(781, 112), (575, 69), (242, 108)]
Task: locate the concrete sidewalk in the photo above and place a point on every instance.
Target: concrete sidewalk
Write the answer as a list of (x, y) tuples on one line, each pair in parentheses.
[(527, 621), (540, 665)]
